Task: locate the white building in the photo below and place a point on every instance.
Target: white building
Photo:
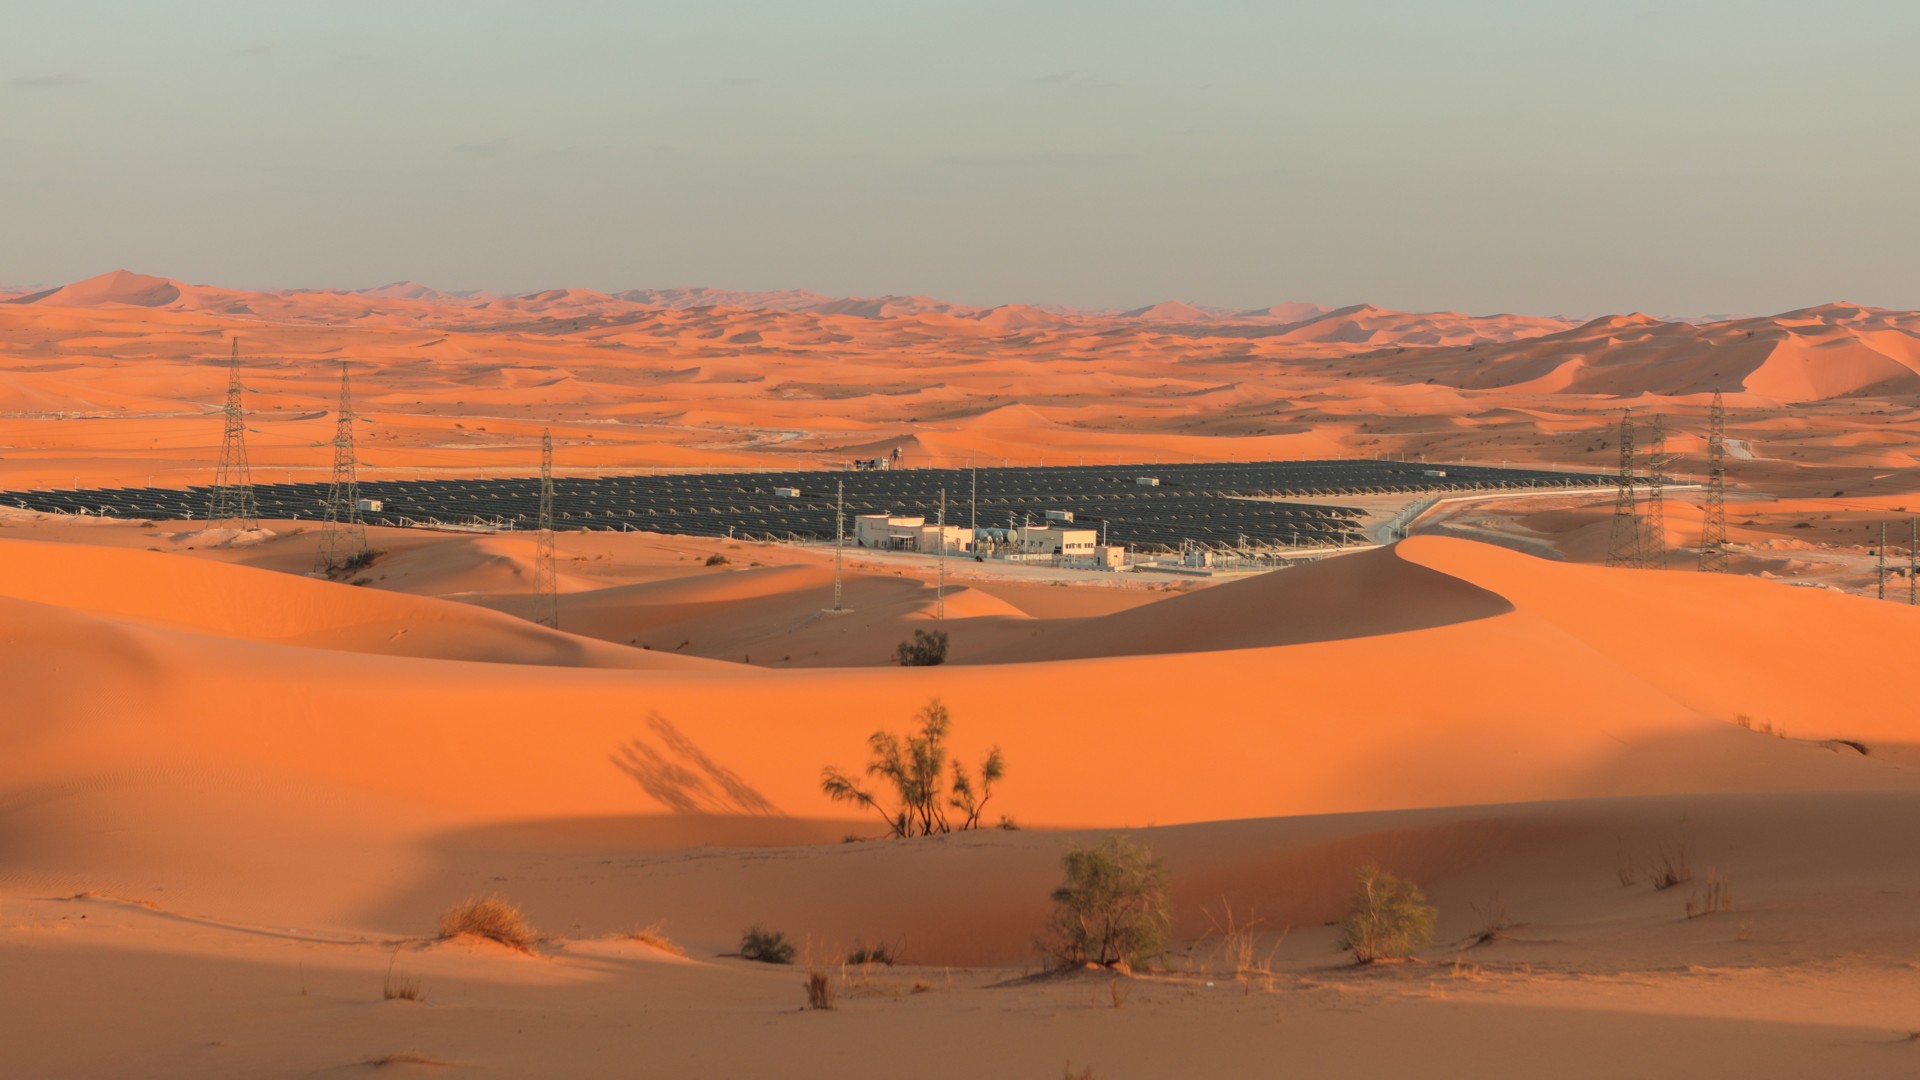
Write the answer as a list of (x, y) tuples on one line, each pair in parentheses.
[(908, 532), (1060, 539)]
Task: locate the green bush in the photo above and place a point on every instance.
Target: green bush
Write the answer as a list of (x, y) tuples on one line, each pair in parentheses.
[(925, 650), (766, 946), (1388, 919), (1113, 908)]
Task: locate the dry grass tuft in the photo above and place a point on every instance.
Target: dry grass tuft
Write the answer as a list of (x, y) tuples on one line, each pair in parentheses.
[(1083, 1074), (820, 991), (1121, 989), (1495, 919), (1710, 898), (492, 918), (1670, 866), (400, 987), (652, 937), (1238, 941), (1627, 870)]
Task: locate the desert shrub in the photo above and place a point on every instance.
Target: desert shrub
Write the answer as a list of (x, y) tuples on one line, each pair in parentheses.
[(1389, 918), (819, 990), (766, 946), (1112, 908), (489, 917), (926, 785), (925, 650), (863, 955), (359, 560), (716, 559)]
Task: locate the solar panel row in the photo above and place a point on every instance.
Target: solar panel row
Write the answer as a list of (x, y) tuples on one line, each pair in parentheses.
[(1159, 507)]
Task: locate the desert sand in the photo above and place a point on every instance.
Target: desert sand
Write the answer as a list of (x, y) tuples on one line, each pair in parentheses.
[(234, 799)]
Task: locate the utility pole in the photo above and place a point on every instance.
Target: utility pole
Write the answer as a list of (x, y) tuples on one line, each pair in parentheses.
[(1713, 522), (1913, 564), (546, 570), (1653, 550), (940, 579), (1623, 545), (231, 497), (839, 535), (343, 536)]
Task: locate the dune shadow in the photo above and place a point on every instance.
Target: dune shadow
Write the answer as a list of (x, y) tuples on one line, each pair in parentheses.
[(679, 775)]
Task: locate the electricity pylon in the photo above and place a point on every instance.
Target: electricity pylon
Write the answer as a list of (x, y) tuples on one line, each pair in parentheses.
[(940, 583), (1623, 545), (1653, 547), (1880, 565), (1713, 521), (546, 574), (343, 536), (1913, 564), (231, 497), (839, 535)]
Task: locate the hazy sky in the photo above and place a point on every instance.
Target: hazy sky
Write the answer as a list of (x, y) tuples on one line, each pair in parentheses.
[(1539, 156)]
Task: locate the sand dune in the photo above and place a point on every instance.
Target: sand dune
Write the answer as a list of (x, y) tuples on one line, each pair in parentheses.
[(231, 796), (121, 587), (1480, 680), (1809, 355)]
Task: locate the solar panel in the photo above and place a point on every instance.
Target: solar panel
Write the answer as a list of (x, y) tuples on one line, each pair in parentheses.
[(1220, 505)]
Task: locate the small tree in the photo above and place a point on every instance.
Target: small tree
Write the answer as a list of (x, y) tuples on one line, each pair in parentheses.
[(1113, 908), (917, 769), (1388, 919), (925, 650)]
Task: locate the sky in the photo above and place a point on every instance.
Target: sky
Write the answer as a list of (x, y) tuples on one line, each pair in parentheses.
[(1474, 155)]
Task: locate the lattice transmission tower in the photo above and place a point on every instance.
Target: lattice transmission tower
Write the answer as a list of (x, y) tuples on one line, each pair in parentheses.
[(546, 572), (940, 586), (231, 497), (1713, 520), (343, 536), (1625, 542), (1913, 563), (839, 535), (1653, 546), (1880, 568)]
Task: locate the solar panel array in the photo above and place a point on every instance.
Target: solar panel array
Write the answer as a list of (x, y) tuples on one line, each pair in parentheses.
[(1213, 505)]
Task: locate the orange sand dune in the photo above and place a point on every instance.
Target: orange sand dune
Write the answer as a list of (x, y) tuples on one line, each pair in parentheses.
[(1457, 688), (162, 591), (266, 798), (1812, 355), (272, 784)]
